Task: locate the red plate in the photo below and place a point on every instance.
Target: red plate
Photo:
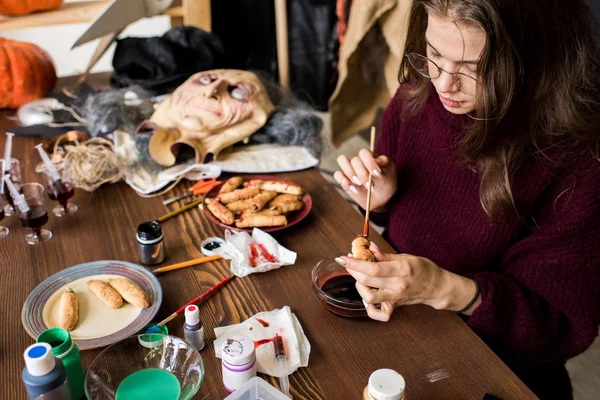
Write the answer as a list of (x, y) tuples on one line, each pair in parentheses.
[(292, 218)]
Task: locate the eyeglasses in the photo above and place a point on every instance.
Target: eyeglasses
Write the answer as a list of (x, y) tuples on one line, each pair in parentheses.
[(429, 69)]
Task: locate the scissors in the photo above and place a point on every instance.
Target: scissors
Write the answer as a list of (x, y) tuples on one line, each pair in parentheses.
[(115, 17)]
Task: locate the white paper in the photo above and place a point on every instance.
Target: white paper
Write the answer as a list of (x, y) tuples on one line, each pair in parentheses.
[(238, 250), (267, 159), (281, 322)]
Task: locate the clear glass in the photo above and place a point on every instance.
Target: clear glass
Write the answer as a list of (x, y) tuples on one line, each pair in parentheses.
[(37, 216), (429, 69), (324, 271), (144, 352), (3, 230), (14, 170), (60, 191)]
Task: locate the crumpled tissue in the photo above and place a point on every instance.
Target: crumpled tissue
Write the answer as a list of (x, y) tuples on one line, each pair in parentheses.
[(257, 253), (265, 325)]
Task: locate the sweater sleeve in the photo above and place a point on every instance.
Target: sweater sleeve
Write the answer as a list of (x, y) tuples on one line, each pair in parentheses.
[(543, 299)]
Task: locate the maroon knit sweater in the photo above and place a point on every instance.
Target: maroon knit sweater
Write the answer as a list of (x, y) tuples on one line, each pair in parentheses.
[(539, 272)]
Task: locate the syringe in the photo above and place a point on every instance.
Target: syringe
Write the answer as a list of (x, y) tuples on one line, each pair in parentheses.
[(18, 198)]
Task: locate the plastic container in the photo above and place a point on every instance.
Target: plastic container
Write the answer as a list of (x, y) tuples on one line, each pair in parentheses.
[(257, 389), (192, 328), (44, 376), (150, 243), (238, 361), (64, 348), (385, 384)]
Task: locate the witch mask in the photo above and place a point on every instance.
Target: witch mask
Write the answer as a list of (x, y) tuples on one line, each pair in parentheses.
[(209, 112)]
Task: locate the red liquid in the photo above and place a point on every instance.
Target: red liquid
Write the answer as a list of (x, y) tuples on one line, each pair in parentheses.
[(263, 322), (259, 254), (61, 192), (342, 288), (259, 343), (35, 218)]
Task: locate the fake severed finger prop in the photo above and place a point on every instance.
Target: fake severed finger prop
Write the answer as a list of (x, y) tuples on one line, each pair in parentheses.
[(231, 184), (254, 220), (237, 195), (260, 200), (221, 212)]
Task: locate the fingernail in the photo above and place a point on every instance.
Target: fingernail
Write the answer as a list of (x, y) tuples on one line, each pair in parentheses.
[(340, 261), (377, 173), (356, 180), (353, 189)]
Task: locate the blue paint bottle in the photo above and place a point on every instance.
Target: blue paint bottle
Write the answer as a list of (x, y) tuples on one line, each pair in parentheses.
[(44, 376)]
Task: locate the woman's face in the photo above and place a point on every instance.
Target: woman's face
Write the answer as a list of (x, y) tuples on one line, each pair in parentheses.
[(455, 48)]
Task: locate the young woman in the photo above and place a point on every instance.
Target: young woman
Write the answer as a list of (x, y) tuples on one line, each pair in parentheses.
[(488, 179)]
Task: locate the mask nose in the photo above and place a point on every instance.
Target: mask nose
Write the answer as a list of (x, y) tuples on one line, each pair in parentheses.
[(215, 90)]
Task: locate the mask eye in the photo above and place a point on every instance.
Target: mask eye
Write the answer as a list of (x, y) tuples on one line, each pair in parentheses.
[(205, 79), (238, 93)]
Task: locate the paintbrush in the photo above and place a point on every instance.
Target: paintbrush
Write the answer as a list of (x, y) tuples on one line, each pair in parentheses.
[(369, 187), (183, 209), (186, 264), (198, 299)]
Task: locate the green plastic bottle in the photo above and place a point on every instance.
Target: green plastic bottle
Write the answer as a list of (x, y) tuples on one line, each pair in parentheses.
[(66, 349)]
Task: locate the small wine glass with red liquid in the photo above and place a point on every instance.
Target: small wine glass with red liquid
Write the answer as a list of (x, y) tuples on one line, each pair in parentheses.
[(61, 191), (336, 289), (14, 171), (37, 216), (3, 229)]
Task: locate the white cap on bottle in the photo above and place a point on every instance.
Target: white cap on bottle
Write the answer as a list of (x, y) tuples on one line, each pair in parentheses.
[(39, 359), (238, 350), (386, 384), (192, 315)]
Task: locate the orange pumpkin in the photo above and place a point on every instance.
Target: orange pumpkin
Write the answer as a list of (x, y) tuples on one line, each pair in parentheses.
[(22, 7), (26, 73)]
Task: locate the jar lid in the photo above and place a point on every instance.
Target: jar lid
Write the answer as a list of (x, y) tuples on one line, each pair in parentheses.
[(238, 350), (39, 359), (149, 232), (386, 384), (192, 315)]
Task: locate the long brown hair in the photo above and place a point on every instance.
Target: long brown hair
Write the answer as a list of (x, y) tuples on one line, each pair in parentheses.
[(538, 84)]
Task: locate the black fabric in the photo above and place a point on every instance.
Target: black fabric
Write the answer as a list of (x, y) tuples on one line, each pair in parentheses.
[(248, 32), (160, 64), (313, 47)]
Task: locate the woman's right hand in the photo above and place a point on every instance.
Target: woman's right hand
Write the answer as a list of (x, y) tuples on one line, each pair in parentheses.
[(354, 178)]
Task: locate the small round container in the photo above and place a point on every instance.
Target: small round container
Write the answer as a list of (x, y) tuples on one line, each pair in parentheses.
[(65, 348), (238, 361), (335, 288), (152, 340), (385, 384), (211, 246), (150, 243)]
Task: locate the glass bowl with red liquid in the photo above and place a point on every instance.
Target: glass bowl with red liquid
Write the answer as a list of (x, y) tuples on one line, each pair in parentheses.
[(336, 289)]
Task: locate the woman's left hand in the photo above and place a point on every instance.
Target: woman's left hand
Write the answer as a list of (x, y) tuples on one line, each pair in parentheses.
[(403, 279)]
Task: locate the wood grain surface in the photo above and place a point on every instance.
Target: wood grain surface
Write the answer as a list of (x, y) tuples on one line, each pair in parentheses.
[(436, 352)]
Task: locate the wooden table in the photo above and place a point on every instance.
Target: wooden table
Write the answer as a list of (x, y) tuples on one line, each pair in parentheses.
[(438, 355)]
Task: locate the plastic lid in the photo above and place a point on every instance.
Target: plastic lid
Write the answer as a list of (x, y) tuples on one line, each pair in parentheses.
[(149, 232), (238, 350), (212, 246), (192, 315), (39, 359), (386, 384)]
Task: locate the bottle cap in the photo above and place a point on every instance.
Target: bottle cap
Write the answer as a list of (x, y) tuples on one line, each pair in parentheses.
[(238, 350), (386, 384), (39, 359), (192, 315), (149, 232)]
